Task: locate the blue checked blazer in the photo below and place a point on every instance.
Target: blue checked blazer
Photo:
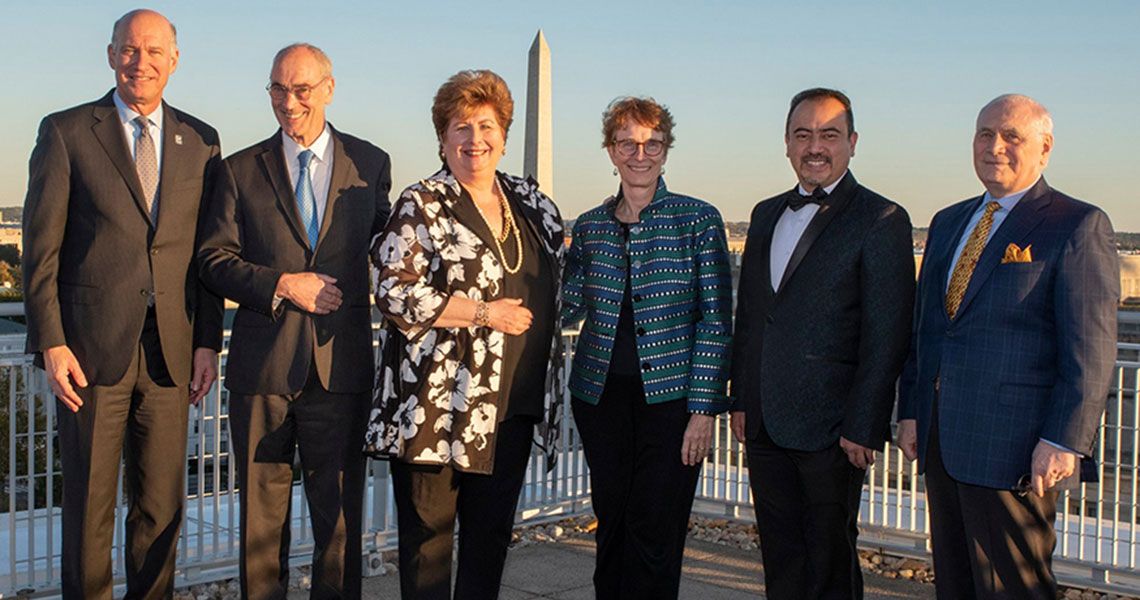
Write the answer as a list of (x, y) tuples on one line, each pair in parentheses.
[(1031, 352)]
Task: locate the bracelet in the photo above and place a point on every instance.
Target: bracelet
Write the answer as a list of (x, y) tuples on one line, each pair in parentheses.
[(482, 314)]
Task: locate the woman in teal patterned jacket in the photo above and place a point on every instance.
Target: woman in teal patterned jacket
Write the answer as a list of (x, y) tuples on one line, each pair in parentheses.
[(648, 272)]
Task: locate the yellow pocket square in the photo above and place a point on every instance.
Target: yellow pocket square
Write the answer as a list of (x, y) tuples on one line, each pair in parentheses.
[(1013, 254)]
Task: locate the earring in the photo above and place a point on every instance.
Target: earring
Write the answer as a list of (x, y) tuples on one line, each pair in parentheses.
[(662, 170), (615, 171), (504, 151)]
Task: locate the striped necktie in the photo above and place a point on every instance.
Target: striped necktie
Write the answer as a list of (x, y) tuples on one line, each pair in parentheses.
[(971, 252), (306, 199), (146, 163)]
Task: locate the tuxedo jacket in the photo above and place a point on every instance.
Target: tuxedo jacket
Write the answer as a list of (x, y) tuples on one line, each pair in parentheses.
[(92, 256), (819, 358), (1031, 351), (254, 234)]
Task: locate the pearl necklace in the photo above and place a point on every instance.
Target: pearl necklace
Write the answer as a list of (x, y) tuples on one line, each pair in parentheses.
[(509, 226)]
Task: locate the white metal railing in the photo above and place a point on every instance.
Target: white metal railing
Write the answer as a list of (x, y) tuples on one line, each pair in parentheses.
[(1096, 526)]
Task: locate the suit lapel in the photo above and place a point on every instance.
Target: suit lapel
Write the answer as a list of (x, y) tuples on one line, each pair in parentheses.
[(835, 202), (1026, 215), (534, 216), (172, 169), (766, 228), (338, 182), (108, 129), (272, 159)]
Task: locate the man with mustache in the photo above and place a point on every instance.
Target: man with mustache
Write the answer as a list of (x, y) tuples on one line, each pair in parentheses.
[(1013, 352), (117, 317), (822, 327)]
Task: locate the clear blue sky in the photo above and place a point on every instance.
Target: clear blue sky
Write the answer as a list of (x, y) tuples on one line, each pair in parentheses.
[(917, 72)]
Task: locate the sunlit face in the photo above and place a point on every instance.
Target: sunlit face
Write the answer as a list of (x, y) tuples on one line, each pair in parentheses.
[(300, 89), (473, 143), (143, 55), (638, 169), (1010, 148), (818, 142)]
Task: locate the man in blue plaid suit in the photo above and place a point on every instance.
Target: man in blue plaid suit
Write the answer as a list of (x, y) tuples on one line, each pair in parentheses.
[(1009, 370)]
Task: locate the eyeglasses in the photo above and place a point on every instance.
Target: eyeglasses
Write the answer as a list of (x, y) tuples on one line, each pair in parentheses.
[(1024, 485), (628, 148), (301, 92)]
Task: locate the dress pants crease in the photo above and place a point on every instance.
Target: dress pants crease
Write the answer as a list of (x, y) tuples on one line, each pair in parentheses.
[(141, 421)]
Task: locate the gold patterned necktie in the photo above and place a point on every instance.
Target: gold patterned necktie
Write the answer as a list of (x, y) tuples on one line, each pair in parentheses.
[(969, 259), (146, 163)]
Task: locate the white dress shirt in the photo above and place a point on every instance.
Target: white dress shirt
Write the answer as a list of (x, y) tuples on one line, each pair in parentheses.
[(127, 117), (320, 169), (789, 229)]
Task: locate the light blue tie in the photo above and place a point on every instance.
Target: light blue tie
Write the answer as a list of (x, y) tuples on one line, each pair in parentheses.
[(306, 200)]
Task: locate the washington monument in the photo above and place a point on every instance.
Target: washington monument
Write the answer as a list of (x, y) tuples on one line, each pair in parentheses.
[(538, 159)]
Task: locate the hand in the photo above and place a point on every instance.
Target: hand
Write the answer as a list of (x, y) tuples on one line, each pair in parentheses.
[(509, 316), (698, 439), (908, 438), (1050, 465), (205, 369), (62, 369), (311, 292), (737, 424), (860, 456)]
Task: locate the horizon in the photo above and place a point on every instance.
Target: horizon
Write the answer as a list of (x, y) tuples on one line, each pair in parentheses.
[(916, 74)]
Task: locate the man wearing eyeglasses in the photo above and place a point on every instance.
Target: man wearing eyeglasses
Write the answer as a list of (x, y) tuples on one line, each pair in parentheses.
[(822, 326), (287, 238), (116, 316), (1013, 352)]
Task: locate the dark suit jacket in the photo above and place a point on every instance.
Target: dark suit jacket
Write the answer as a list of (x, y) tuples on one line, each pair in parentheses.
[(92, 255), (254, 235), (819, 359), (1031, 352)]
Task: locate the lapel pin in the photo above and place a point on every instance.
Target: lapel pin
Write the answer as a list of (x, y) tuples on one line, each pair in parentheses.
[(177, 139)]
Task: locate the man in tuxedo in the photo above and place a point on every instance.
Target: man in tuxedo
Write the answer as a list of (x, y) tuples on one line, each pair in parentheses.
[(1013, 352), (287, 238), (822, 325), (116, 316)]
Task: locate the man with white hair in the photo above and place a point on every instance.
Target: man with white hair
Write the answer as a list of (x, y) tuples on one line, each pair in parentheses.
[(116, 315), (1009, 369)]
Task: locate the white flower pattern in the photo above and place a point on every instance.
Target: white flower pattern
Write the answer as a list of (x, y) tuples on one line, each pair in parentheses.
[(448, 378)]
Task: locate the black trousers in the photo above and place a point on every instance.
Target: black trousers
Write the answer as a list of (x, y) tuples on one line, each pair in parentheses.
[(141, 420), (428, 500), (988, 543), (326, 429), (807, 506), (641, 491)]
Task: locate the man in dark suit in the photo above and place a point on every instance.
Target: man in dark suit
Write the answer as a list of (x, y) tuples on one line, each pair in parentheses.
[(822, 324), (1013, 352), (287, 238), (116, 316)]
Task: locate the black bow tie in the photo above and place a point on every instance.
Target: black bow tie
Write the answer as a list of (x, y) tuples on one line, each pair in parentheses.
[(797, 201)]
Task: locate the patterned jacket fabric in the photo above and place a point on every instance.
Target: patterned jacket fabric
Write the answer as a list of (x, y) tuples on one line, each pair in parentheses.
[(437, 391), (682, 299)]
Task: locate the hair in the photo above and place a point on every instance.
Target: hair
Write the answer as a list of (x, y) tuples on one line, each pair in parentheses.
[(820, 93), (1041, 117), (121, 22), (322, 58), (467, 91), (644, 111)]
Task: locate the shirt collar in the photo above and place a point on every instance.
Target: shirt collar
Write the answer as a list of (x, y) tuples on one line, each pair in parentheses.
[(1007, 203), (828, 189), (321, 147), (127, 115)]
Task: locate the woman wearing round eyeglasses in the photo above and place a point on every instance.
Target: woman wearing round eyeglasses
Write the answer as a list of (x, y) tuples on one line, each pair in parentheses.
[(648, 272), (467, 276)]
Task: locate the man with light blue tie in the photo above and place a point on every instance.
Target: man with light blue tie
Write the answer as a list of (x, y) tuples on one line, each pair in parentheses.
[(287, 237), (1009, 369)]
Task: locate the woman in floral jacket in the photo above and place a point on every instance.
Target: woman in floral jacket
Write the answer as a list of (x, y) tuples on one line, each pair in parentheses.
[(467, 275)]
